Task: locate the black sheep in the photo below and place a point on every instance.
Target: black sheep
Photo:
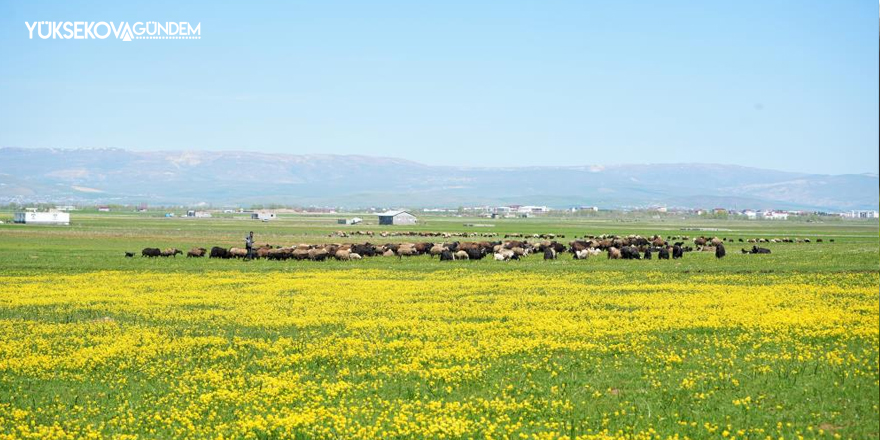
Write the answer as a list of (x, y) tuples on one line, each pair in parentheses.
[(677, 252), (476, 253), (219, 252), (364, 250), (630, 253), (757, 250)]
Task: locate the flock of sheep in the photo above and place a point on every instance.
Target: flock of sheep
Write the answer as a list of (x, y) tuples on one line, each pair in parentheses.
[(344, 234), (614, 246)]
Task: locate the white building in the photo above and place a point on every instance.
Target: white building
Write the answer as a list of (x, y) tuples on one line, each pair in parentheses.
[(349, 221), (533, 209), (263, 215), (775, 215), (863, 214), (397, 218), (750, 214), (198, 214), (42, 218)]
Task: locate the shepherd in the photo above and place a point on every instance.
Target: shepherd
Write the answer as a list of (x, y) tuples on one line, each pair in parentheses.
[(249, 245)]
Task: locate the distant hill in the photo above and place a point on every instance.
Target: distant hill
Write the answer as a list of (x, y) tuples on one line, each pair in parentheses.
[(245, 178)]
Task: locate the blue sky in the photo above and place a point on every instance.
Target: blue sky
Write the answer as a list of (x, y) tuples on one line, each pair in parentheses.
[(782, 84)]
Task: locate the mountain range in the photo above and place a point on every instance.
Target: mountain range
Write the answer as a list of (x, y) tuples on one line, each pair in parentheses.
[(229, 178)]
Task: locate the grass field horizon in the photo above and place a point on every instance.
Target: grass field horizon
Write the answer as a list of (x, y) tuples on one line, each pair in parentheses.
[(96, 345), (103, 237)]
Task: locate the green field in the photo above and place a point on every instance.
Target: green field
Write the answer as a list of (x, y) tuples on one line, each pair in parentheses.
[(96, 241), (93, 344)]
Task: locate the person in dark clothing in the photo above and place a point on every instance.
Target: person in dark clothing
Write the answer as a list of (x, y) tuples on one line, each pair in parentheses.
[(249, 245)]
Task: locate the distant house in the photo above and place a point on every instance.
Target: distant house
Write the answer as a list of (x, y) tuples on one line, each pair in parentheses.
[(775, 215), (103, 208), (863, 214), (198, 214), (397, 218), (42, 218), (349, 221), (532, 209), (750, 214), (585, 208), (263, 215)]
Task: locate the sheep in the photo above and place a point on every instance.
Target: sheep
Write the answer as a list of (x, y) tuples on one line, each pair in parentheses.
[(171, 252), (196, 252), (300, 253), (436, 250), (613, 253), (151, 252), (583, 254), (406, 250), (630, 253), (318, 254), (663, 253), (719, 251), (237, 253), (504, 255), (280, 253)]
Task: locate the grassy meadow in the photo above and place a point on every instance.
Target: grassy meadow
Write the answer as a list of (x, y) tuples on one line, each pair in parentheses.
[(95, 345)]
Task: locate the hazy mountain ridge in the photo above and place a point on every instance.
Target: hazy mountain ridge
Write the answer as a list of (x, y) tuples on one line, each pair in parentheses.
[(244, 178)]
